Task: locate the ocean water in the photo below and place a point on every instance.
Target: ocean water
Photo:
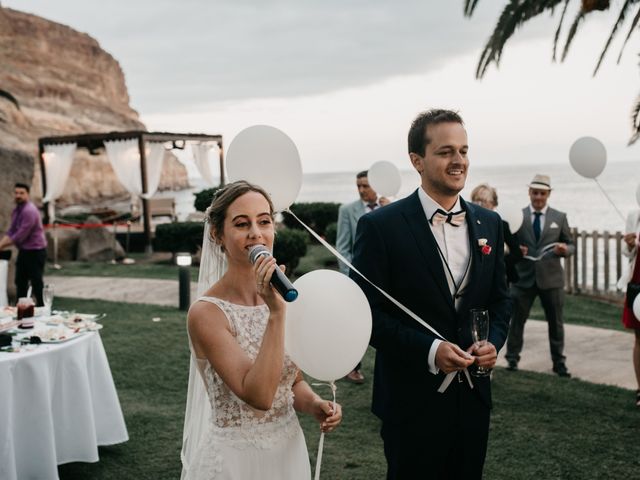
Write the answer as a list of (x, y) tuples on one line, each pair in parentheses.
[(582, 199)]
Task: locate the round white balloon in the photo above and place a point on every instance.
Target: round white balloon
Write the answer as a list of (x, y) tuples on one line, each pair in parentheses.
[(267, 157), (636, 307), (384, 178), (329, 325), (588, 157), (512, 215)]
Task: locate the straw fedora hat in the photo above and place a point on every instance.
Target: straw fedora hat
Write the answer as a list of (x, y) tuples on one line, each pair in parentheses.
[(541, 182)]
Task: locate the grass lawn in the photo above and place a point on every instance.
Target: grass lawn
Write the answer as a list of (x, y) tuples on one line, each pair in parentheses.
[(160, 266), (543, 426)]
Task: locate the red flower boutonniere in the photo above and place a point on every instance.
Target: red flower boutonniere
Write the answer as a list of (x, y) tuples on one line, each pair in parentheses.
[(485, 248)]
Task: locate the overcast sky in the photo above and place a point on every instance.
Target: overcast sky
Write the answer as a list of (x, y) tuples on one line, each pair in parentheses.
[(344, 79)]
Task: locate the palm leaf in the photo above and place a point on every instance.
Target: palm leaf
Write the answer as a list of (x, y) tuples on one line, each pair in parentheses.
[(469, 7), (633, 26), (635, 121), (557, 35), (515, 13), (572, 33), (614, 30)]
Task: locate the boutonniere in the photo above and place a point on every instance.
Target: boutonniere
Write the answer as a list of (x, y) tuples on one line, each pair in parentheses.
[(485, 248)]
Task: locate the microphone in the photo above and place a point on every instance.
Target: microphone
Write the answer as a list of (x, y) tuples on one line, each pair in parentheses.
[(279, 280)]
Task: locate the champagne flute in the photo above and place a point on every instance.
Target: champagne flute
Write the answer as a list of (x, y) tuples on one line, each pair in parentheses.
[(47, 297), (480, 334)]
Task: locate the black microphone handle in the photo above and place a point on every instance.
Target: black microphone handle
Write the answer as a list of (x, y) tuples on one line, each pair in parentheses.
[(283, 286)]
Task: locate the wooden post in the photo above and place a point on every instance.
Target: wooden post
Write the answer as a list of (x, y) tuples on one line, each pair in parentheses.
[(595, 261), (146, 212), (43, 179), (222, 179), (574, 260), (583, 257), (606, 262), (618, 255)]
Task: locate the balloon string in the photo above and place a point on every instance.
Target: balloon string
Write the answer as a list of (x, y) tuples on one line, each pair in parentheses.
[(610, 201), (449, 378), (347, 263), (333, 387)]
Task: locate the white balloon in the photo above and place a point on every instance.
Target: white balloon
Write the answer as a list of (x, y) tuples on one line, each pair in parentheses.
[(267, 157), (512, 215), (638, 194), (636, 307), (329, 325), (384, 178), (588, 157)]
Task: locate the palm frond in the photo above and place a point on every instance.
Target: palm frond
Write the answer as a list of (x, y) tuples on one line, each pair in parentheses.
[(469, 7), (557, 35), (635, 121), (572, 33), (633, 26), (515, 13), (614, 31)]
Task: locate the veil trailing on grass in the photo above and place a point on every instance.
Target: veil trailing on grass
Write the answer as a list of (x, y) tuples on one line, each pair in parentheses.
[(198, 413)]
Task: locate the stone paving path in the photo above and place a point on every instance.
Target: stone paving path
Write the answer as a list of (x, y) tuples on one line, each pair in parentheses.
[(593, 354)]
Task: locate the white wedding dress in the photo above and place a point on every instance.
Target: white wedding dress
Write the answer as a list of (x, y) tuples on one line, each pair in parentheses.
[(240, 442)]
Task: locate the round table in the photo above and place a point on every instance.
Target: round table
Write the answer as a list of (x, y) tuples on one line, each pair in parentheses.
[(58, 402)]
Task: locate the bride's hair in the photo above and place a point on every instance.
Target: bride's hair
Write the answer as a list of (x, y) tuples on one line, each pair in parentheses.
[(223, 198)]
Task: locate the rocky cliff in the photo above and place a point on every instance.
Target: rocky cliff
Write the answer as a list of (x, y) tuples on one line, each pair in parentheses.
[(57, 81)]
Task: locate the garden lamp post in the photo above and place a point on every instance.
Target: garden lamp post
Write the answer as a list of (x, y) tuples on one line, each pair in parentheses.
[(183, 260)]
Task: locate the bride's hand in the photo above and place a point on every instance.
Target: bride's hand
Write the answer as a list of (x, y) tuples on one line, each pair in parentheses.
[(323, 412), (264, 269)]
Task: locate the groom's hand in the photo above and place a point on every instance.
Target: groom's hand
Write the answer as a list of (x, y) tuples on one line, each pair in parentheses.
[(451, 358), (485, 355)]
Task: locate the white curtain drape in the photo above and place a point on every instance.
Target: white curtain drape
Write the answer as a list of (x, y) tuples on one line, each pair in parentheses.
[(124, 157), (202, 158), (57, 165)]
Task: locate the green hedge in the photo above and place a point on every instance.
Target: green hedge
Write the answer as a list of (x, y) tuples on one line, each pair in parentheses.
[(203, 199), (289, 247), (317, 215), (331, 233), (178, 237)]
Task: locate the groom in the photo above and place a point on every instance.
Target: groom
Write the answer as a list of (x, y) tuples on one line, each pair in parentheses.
[(440, 257)]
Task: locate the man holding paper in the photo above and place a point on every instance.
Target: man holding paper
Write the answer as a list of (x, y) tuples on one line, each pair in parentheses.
[(544, 237), (439, 257)]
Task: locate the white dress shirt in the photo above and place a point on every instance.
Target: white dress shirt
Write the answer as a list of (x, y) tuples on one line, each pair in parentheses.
[(454, 245)]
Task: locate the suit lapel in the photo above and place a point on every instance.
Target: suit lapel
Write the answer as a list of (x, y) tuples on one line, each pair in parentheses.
[(421, 231), (526, 229), (551, 217), (474, 228)]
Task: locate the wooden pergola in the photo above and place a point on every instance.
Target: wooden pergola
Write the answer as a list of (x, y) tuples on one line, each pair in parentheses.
[(95, 141)]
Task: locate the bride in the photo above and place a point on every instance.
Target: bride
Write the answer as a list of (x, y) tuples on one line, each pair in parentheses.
[(240, 421)]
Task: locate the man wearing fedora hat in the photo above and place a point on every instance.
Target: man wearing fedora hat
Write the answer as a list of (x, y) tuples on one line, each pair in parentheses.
[(544, 238)]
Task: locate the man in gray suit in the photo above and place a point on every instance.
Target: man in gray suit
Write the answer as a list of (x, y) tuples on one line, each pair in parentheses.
[(348, 217), (544, 237)]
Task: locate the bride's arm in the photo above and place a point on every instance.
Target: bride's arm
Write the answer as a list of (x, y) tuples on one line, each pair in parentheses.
[(328, 414)]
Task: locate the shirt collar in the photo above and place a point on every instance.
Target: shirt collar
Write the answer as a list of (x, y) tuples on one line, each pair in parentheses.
[(544, 210), (430, 206)]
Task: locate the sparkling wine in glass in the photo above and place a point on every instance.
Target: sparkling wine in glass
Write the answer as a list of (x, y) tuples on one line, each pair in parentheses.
[(479, 334), (47, 297)]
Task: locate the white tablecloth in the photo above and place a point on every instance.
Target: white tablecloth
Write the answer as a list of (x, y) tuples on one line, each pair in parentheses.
[(57, 404)]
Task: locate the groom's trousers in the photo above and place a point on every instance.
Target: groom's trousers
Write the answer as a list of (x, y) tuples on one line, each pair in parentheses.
[(447, 440)]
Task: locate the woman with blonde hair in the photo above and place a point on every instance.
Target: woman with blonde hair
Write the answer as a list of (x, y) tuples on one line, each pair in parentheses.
[(244, 390)]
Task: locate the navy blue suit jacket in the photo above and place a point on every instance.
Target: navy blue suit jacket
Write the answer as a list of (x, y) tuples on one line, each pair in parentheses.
[(396, 250)]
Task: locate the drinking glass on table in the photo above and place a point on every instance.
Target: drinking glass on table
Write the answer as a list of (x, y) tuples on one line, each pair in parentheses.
[(47, 297), (480, 334)]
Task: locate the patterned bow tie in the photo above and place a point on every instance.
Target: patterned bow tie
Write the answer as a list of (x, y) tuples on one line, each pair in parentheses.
[(454, 218)]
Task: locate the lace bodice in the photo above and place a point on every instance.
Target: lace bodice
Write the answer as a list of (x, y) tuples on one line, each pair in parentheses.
[(232, 418)]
